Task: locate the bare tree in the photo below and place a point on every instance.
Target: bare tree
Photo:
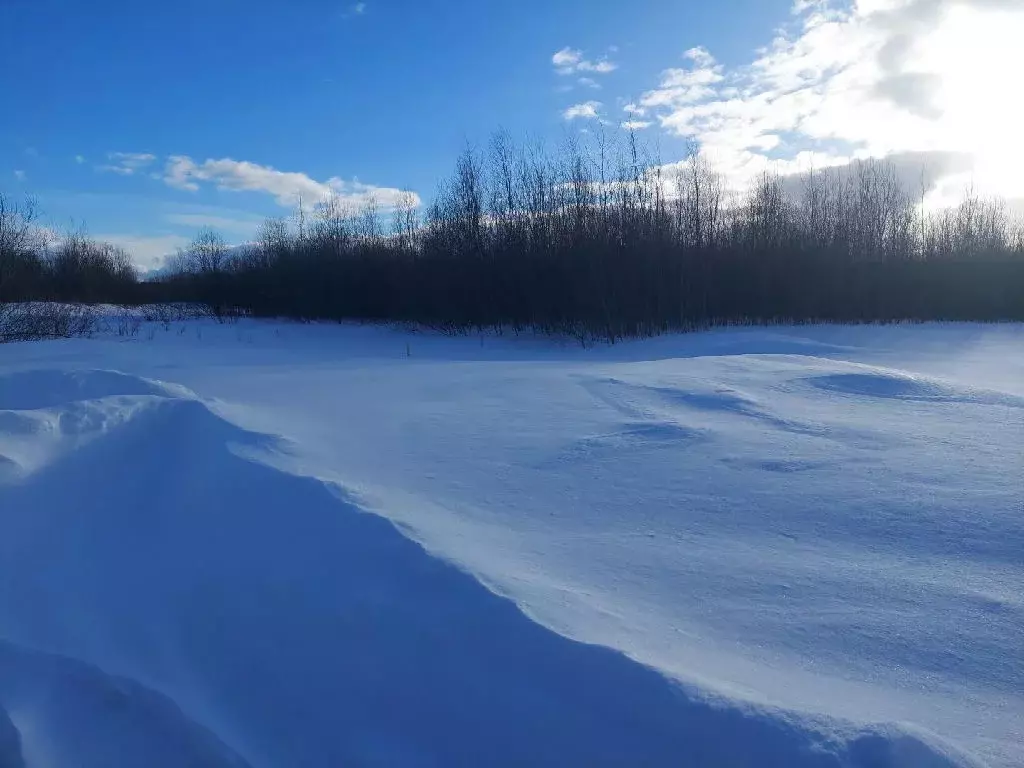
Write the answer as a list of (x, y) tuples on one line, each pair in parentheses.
[(406, 223), (205, 255), (22, 240)]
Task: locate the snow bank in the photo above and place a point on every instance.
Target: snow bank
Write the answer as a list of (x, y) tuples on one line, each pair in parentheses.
[(70, 713), (685, 551), (10, 743)]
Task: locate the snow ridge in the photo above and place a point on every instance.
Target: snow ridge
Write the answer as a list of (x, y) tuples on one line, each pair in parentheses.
[(201, 579)]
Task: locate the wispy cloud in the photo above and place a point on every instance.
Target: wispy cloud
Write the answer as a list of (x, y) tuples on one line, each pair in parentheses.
[(570, 61), (588, 110), (636, 125), (125, 163), (79, 159), (19, 175), (876, 79), (689, 85), (357, 9), (223, 223), (118, 169), (287, 187)]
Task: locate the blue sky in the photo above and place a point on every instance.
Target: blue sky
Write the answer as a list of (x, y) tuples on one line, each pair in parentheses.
[(148, 120)]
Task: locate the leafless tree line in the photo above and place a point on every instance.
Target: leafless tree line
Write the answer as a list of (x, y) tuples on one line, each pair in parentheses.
[(596, 240), (604, 241), (45, 280)]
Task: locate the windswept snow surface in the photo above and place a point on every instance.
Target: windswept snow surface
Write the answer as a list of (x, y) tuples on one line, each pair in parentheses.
[(267, 544)]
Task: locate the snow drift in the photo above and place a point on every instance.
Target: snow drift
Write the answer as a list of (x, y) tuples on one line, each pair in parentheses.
[(622, 557)]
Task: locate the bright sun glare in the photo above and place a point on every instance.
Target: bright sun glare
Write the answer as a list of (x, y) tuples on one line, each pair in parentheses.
[(976, 55)]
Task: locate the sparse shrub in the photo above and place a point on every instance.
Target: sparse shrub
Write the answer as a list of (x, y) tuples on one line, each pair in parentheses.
[(33, 321)]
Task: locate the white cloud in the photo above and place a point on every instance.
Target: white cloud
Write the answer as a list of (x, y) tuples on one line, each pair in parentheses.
[(589, 82), (288, 188), (873, 79), (681, 86), (134, 159), (19, 175), (224, 223), (79, 159), (602, 67), (570, 61), (700, 56), (636, 125), (124, 163), (567, 59), (588, 110)]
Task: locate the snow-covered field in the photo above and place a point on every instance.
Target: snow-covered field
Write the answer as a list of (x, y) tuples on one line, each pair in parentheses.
[(272, 544)]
